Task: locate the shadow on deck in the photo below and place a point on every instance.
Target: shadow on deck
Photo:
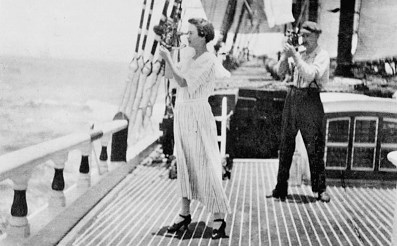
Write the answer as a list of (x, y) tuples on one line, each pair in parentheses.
[(139, 209)]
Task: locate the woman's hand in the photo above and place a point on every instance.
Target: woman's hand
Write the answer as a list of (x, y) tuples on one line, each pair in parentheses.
[(165, 53)]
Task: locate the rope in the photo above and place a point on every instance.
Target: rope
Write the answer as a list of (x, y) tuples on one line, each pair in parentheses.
[(133, 65)]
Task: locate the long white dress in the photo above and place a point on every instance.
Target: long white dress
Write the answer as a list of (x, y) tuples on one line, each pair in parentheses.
[(196, 147)]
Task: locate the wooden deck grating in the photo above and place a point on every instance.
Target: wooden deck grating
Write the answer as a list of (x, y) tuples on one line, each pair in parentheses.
[(139, 210)]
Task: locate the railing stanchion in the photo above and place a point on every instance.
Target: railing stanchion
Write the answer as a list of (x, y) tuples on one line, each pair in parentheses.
[(19, 165), (18, 222), (57, 197), (223, 127), (103, 157), (119, 141), (84, 181)]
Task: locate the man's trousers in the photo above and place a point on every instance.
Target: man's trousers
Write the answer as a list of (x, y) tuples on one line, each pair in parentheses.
[(303, 110)]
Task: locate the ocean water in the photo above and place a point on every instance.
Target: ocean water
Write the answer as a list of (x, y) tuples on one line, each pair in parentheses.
[(44, 98)]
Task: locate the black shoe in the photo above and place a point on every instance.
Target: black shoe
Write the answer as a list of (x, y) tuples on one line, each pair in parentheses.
[(277, 194), (324, 197), (226, 175), (180, 225), (220, 232)]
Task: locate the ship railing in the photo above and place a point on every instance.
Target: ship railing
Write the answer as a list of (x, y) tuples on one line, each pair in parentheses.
[(18, 166), (224, 118)]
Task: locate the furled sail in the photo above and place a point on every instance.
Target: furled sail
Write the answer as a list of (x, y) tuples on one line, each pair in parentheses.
[(278, 12), (254, 19), (328, 18), (376, 31), (253, 30)]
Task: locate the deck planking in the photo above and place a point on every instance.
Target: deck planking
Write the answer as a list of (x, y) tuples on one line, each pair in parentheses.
[(139, 210)]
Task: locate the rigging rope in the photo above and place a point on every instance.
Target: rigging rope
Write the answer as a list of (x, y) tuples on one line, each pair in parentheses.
[(120, 139), (133, 64)]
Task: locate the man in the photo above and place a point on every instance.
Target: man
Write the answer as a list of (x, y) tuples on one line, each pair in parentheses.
[(303, 110)]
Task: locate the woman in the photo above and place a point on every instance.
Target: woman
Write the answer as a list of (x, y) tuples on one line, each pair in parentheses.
[(196, 147)]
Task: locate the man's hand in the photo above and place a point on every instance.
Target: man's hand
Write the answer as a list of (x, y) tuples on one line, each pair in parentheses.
[(165, 53), (289, 50)]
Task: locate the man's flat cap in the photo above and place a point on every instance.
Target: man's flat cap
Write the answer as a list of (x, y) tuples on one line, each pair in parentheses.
[(310, 27)]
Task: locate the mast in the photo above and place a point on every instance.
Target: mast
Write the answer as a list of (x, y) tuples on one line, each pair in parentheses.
[(240, 19), (346, 26), (228, 18), (296, 10), (313, 10)]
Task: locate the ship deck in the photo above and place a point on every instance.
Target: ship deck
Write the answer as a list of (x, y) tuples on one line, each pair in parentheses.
[(135, 205), (139, 209)]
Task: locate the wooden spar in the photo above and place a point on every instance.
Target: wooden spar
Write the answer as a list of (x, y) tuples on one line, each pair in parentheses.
[(344, 58), (228, 18), (243, 40), (303, 11), (133, 66), (313, 10), (240, 20)]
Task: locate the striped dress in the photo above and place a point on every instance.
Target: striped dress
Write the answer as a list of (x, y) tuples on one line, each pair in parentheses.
[(196, 147)]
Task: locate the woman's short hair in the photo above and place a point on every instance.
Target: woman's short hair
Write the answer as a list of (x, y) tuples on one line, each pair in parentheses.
[(204, 28)]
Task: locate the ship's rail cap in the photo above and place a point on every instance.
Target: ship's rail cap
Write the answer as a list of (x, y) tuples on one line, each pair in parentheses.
[(23, 160)]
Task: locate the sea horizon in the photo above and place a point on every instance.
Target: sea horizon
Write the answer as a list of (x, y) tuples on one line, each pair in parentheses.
[(44, 98)]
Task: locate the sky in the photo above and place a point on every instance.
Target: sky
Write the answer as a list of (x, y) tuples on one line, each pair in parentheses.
[(88, 29), (91, 29)]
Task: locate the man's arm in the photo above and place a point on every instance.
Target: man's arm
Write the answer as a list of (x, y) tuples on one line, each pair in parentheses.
[(282, 66), (316, 70)]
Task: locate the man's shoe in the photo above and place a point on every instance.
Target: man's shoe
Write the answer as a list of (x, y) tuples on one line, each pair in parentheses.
[(281, 195), (324, 197)]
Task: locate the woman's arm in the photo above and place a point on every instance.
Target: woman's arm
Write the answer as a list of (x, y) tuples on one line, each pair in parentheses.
[(164, 52)]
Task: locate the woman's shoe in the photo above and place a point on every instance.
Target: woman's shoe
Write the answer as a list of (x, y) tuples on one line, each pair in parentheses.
[(220, 232), (180, 225), (226, 175)]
